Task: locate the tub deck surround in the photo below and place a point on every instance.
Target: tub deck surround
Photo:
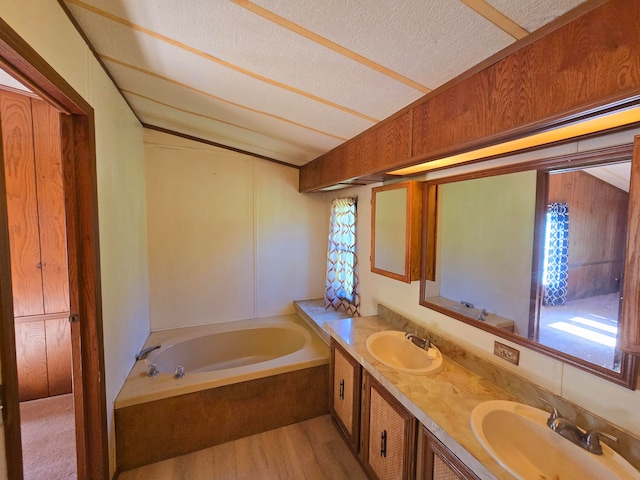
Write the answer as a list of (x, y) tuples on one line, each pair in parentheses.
[(153, 431), (161, 417), (138, 388), (314, 313)]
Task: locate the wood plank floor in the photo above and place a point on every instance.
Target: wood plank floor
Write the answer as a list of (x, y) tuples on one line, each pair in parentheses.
[(311, 450)]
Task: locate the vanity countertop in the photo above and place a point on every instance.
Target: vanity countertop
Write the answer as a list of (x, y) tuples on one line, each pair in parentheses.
[(441, 402)]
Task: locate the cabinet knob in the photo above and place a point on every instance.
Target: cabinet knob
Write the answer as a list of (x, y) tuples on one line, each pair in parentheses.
[(342, 389)]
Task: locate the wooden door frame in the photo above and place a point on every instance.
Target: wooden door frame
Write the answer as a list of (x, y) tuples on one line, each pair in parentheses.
[(81, 207)]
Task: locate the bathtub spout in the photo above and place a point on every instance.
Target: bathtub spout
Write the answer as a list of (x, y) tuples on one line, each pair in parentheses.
[(146, 351)]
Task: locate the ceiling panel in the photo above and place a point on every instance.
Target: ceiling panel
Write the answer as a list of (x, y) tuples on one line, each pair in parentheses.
[(293, 78)]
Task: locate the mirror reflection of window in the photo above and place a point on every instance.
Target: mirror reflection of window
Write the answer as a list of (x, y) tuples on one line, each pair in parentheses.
[(542, 253), (583, 262)]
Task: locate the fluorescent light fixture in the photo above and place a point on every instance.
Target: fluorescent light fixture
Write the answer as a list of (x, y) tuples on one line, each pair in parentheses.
[(597, 124)]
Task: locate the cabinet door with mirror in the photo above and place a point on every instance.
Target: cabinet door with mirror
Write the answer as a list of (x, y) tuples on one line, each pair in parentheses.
[(396, 212), (536, 254)]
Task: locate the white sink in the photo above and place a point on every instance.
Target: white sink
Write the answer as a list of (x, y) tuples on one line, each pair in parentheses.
[(391, 348), (518, 438)]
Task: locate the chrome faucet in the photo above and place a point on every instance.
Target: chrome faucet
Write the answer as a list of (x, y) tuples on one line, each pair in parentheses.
[(421, 342), (483, 314), (590, 440), (146, 351)]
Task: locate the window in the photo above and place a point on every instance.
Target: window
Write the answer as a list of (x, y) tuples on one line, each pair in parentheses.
[(341, 288)]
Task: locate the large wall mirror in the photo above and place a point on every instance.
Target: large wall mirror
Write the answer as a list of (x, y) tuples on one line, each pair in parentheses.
[(535, 253)]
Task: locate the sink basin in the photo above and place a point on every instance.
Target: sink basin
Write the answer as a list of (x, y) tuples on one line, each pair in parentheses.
[(394, 350), (518, 438)]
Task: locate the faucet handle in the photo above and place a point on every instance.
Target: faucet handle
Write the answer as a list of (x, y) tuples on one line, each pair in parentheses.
[(554, 413), (592, 441)]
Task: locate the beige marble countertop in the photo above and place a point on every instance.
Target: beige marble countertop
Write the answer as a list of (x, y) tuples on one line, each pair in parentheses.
[(442, 402)]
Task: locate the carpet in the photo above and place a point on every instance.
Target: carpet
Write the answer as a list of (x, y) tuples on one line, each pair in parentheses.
[(48, 438)]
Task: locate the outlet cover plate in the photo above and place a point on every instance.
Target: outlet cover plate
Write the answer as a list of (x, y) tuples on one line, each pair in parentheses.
[(506, 352)]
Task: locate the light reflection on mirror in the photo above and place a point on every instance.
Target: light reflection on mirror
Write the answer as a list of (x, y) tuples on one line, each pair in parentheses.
[(492, 256)]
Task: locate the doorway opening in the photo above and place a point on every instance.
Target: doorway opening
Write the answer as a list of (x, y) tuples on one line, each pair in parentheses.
[(77, 146), (32, 154)]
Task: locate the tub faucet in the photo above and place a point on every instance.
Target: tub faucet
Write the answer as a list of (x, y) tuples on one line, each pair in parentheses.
[(146, 351), (423, 343)]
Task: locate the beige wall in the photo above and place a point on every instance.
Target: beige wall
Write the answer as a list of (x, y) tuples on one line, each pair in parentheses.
[(617, 405), (230, 237), (485, 243), (120, 174)]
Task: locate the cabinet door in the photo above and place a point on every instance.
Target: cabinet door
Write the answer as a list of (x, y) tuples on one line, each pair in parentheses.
[(345, 394), (22, 204), (51, 214), (439, 463), (58, 332), (391, 435), (31, 359)]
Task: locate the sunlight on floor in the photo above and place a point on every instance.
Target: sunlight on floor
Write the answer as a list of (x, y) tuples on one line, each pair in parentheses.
[(585, 333)]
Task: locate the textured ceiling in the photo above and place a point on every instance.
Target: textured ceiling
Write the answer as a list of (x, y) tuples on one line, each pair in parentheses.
[(291, 79)]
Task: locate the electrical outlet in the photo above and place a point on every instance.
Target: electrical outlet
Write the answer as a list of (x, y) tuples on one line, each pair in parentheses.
[(508, 353)]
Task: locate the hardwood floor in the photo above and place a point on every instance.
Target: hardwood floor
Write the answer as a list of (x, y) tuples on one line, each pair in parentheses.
[(311, 450)]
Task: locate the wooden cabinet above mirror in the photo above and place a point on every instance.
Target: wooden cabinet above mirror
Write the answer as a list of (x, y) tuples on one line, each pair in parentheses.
[(396, 212)]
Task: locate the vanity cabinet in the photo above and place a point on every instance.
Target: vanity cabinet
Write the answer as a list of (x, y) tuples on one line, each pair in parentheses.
[(345, 394), (388, 434), (396, 215), (437, 462)]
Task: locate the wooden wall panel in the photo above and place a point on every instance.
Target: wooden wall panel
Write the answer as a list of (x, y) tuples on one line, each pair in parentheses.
[(58, 354), (310, 176), (630, 325), (53, 241), (597, 232), (588, 63), (388, 143), (17, 141), (393, 143), (31, 357), (334, 166)]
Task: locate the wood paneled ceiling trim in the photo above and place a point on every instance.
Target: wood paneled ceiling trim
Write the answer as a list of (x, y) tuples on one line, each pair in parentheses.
[(219, 61), (497, 18), (220, 99), (298, 29)]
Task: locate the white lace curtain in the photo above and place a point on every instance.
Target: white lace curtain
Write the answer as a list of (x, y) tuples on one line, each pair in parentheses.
[(341, 289)]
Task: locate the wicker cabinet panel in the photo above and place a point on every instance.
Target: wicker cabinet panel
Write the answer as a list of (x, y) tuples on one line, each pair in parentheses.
[(345, 394), (390, 435), (439, 463)]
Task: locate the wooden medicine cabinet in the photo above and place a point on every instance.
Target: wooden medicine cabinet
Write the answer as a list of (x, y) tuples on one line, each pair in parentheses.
[(396, 212)]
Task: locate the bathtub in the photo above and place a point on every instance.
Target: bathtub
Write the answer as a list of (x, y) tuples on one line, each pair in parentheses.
[(221, 354)]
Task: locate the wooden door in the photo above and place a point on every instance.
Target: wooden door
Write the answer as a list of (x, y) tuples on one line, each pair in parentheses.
[(51, 215), (22, 204)]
